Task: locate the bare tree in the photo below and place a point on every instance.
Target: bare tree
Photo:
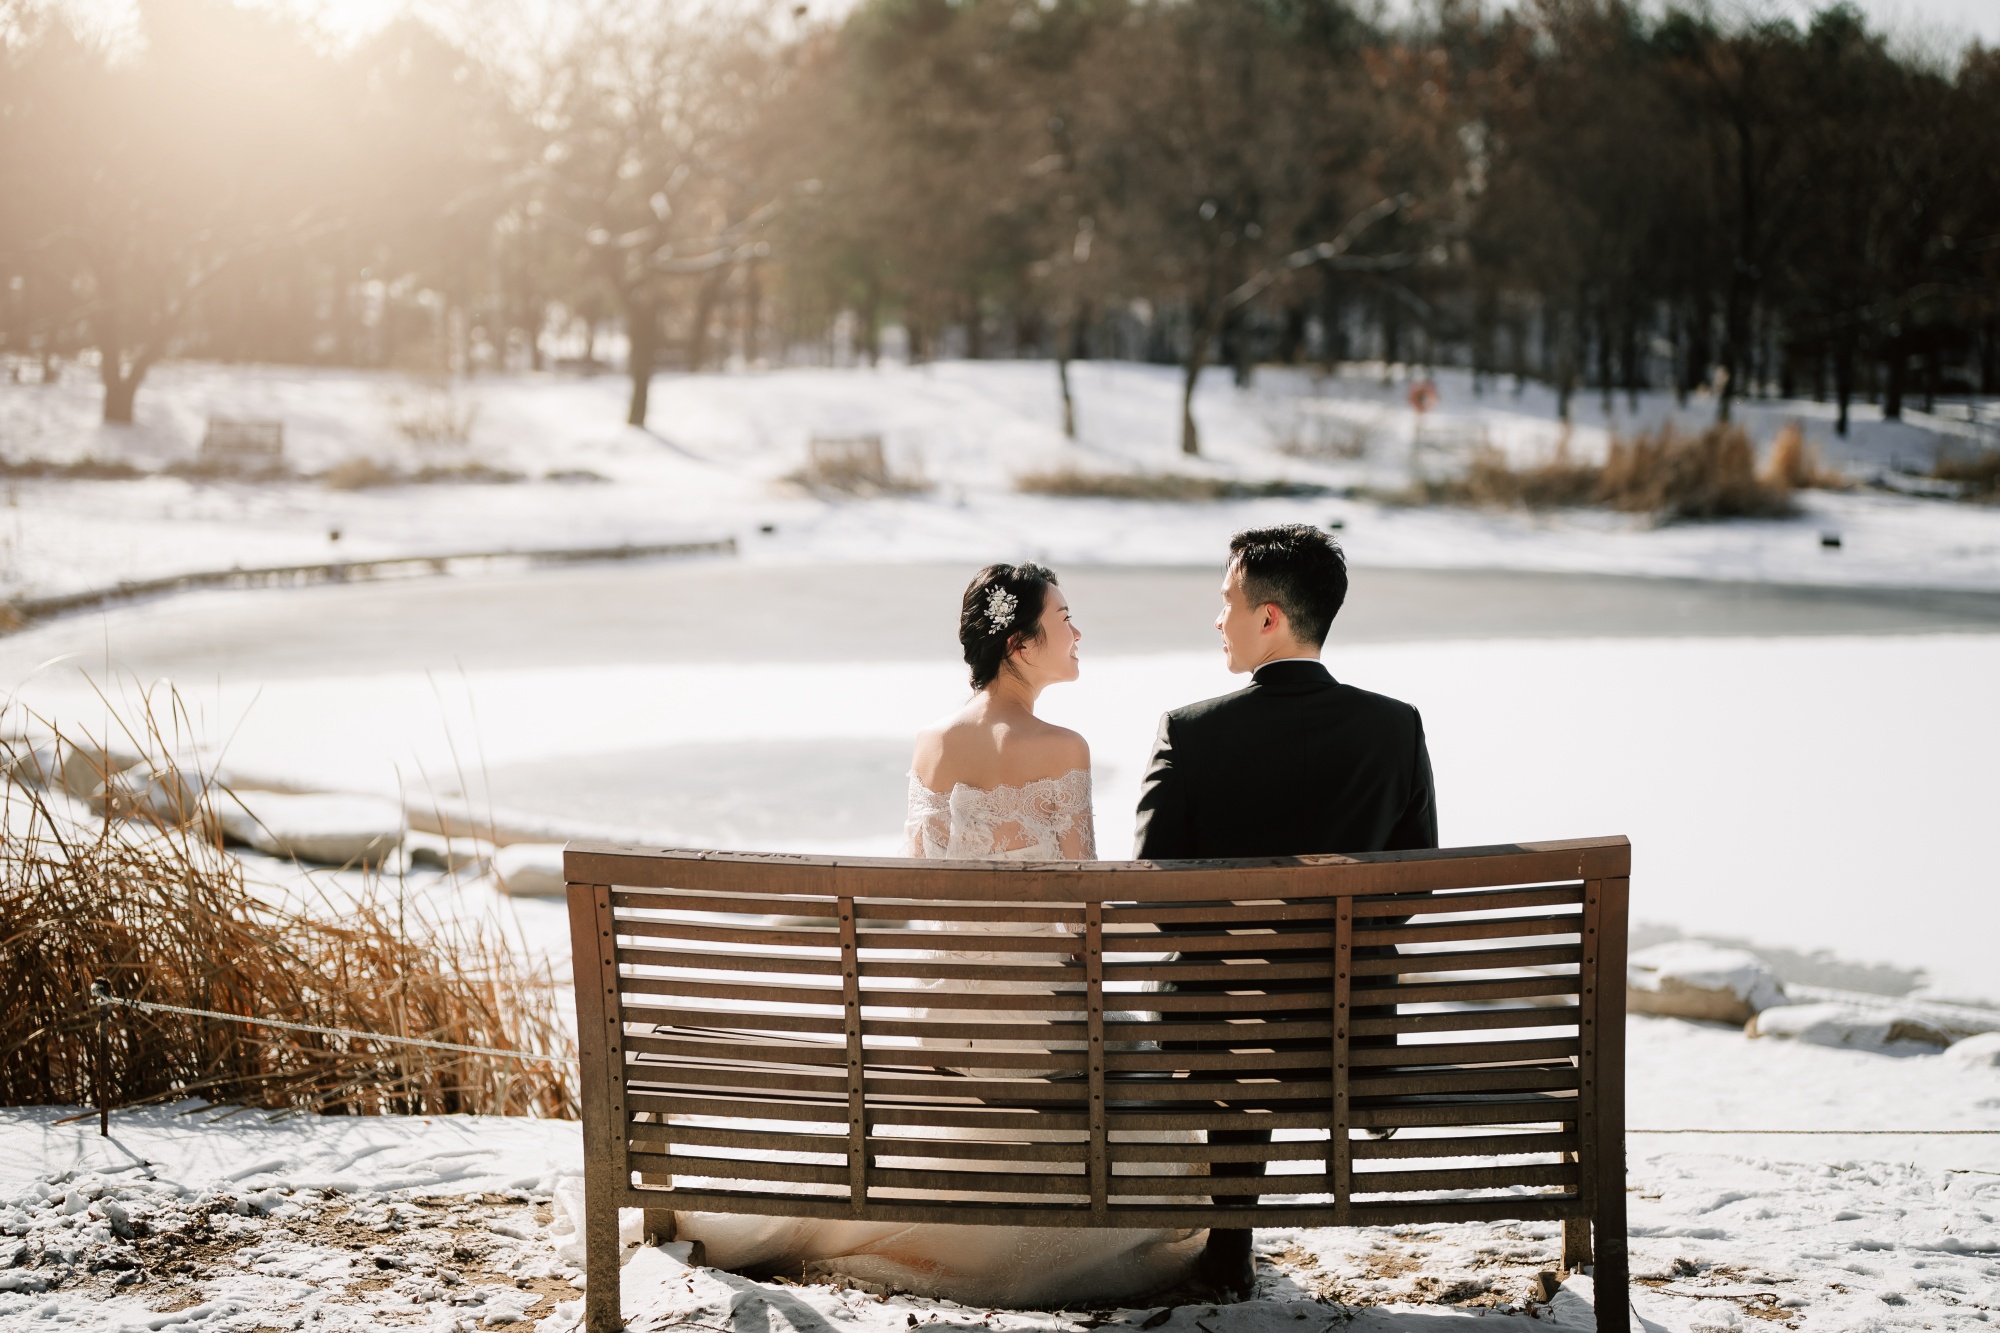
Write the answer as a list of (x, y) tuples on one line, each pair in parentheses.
[(652, 111)]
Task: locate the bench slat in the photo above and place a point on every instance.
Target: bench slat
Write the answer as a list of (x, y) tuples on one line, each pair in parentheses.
[(1427, 905), (1547, 1108), (1465, 1178), (805, 937), (1509, 1078), (1445, 991), (1526, 1208), (1477, 1145), (872, 915), (1468, 1052), (788, 1171), (1470, 1020), (1444, 932), (1483, 960), (630, 955)]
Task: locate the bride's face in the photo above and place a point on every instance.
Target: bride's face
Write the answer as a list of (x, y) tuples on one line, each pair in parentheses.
[(1052, 657)]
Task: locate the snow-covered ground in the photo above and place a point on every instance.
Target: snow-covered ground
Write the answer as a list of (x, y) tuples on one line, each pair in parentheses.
[(719, 446), (213, 1223)]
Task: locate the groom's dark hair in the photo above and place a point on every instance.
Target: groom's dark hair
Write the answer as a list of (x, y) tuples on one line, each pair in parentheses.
[(1296, 568)]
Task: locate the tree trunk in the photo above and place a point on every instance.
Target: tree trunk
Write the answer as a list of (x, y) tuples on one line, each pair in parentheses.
[(120, 393), (1629, 355), (1843, 380), (753, 314), (704, 315), (1069, 346), (1236, 342), (1190, 437), (642, 330), (1292, 342), (1330, 330), (1892, 394), (1201, 335), (120, 377), (1605, 386), (871, 324)]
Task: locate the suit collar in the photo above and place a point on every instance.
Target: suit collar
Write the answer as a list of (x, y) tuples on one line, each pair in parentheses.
[(1292, 676)]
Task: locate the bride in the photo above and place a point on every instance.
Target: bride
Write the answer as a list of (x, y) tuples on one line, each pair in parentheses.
[(991, 782)]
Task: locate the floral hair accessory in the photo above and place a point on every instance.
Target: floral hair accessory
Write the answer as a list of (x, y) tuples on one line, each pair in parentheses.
[(1000, 606)]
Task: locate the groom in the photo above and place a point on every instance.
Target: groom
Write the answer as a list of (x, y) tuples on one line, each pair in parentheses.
[(1293, 764)]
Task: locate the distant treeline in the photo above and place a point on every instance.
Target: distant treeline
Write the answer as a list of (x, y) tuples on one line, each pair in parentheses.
[(1581, 192)]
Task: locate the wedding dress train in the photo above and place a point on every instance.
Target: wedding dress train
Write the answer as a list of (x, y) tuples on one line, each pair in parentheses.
[(1048, 820)]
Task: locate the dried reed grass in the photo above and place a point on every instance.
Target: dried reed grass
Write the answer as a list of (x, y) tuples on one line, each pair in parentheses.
[(87, 468), (1978, 473), (154, 907), (1665, 473), (1795, 465)]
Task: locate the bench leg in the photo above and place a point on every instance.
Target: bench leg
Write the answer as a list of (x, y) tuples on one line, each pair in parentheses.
[(1611, 1279), (601, 1312), (657, 1225), (1576, 1244)]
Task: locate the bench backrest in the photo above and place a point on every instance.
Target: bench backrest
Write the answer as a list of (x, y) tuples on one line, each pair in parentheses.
[(992, 1042), (237, 438), (845, 461)]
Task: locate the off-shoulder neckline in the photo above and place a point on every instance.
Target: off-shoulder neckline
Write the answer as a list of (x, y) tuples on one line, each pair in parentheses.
[(956, 787)]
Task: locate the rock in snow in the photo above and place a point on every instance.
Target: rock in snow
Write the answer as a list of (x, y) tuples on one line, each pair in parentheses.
[(1696, 979), (1980, 1052), (330, 830), (1833, 1024), (530, 869), (442, 853)]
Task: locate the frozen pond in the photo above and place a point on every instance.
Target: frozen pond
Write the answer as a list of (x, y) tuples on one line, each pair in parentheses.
[(1803, 769)]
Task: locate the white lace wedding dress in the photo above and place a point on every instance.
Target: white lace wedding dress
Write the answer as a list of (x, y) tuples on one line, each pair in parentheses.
[(1048, 820)]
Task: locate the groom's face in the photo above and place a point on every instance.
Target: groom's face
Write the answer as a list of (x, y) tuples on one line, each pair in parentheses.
[(1246, 627)]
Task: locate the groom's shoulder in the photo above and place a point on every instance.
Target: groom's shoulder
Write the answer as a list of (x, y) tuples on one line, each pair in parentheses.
[(1203, 710), (1380, 705), (1348, 699)]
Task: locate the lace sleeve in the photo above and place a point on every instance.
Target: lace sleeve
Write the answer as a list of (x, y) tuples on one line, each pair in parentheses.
[(1078, 840), (927, 827)]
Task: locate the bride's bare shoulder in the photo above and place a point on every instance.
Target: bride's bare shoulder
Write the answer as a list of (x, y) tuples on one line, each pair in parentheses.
[(1066, 748), (944, 749)]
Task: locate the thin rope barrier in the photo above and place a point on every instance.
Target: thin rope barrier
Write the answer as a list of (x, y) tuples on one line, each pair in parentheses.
[(1813, 1131), (103, 997)]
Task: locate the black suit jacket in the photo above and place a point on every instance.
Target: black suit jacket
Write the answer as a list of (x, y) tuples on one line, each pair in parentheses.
[(1293, 764)]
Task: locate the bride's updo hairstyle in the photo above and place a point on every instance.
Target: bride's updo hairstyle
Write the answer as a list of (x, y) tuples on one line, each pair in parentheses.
[(1001, 611)]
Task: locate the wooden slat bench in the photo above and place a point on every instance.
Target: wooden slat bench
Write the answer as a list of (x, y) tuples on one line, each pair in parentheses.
[(785, 1035)]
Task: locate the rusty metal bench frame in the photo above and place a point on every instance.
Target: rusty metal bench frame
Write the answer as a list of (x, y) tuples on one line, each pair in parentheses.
[(751, 1042)]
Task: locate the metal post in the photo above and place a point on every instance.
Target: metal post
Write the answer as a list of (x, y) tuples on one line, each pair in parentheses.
[(100, 999)]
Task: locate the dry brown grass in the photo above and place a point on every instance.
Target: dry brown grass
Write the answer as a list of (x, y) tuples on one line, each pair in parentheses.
[(1666, 473), (1171, 486), (360, 474), (1979, 473), (1795, 465), (86, 468), (152, 905)]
